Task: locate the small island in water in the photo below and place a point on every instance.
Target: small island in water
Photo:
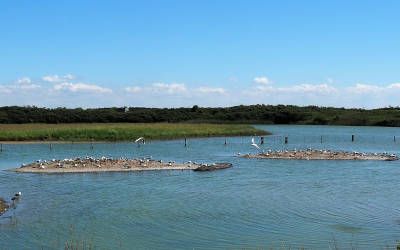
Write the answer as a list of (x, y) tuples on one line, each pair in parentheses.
[(104, 164), (314, 154)]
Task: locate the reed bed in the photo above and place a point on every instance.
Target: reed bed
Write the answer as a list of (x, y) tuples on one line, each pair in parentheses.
[(119, 131)]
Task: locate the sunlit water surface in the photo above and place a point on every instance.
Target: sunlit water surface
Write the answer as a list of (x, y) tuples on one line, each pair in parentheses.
[(256, 204)]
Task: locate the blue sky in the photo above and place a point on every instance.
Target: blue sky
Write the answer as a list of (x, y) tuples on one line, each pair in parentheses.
[(211, 53)]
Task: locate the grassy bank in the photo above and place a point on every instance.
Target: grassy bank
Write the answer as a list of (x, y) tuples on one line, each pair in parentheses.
[(119, 131)]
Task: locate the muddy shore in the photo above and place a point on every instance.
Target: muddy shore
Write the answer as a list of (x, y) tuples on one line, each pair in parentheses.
[(3, 206), (89, 164), (321, 155)]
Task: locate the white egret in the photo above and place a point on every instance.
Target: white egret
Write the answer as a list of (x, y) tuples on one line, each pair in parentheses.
[(254, 144), (139, 139)]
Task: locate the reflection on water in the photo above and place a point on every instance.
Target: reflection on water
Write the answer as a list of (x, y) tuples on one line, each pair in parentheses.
[(256, 204)]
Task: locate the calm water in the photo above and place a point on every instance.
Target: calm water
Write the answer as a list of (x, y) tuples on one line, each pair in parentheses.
[(256, 204)]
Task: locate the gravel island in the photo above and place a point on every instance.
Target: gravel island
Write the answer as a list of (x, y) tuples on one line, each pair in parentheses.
[(104, 164), (313, 154)]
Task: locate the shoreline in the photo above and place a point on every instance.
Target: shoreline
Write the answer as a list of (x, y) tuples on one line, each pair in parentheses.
[(123, 141), (93, 165), (3, 206), (311, 154), (117, 132)]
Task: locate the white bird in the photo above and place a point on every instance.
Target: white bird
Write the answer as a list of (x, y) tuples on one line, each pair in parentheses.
[(253, 143), (139, 139)]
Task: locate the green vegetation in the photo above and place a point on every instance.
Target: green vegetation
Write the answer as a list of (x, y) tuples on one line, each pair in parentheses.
[(261, 114), (119, 131)]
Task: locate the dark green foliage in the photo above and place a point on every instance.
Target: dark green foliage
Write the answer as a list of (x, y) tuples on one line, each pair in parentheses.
[(264, 114)]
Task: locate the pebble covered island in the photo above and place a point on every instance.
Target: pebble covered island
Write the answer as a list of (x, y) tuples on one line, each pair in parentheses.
[(314, 154), (104, 164)]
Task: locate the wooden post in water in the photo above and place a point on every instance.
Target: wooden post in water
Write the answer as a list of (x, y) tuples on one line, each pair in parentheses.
[(1, 147), (321, 138), (394, 138), (286, 140), (225, 142), (91, 144), (352, 138), (185, 142), (262, 140), (50, 147)]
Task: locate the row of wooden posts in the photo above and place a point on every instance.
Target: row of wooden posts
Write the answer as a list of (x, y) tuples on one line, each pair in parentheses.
[(286, 141)]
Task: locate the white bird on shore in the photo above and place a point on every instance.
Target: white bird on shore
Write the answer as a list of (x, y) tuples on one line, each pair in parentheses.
[(254, 144)]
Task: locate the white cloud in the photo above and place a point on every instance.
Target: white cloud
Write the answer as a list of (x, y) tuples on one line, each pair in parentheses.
[(172, 88), (25, 83), (301, 88), (133, 90), (328, 93), (24, 80), (209, 90), (360, 88), (5, 89), (81, 87), (394, 86), (57, 78), (313, 88), (262, 80)]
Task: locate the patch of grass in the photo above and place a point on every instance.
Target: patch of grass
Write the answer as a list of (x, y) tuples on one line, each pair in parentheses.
[(119, 131)]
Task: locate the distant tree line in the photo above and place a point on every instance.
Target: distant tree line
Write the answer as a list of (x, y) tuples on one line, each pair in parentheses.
[(263, 114)]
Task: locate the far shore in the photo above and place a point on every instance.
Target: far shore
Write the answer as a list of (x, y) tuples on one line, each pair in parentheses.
[(118, 141), (118, 132)]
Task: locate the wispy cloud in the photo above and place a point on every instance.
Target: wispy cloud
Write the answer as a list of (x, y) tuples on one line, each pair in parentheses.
[(261, 80), (81, 87), (301, 88), (57, 78), (25, 83), (133, 89), (169, 88), (210, 90), (360, 88), (66, 90), (5, 89)]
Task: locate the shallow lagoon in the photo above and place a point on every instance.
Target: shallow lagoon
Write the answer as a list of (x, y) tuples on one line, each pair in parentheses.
[(257, 204)]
